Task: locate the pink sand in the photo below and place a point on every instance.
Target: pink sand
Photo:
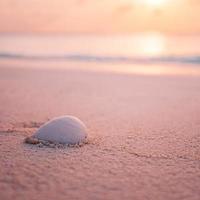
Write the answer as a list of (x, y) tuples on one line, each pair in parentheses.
[(144, 135)]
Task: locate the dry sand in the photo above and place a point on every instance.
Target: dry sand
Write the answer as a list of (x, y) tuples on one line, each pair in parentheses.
[(144, 135)]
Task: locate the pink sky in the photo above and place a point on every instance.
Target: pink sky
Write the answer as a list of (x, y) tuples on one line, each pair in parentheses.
[(95, 16)]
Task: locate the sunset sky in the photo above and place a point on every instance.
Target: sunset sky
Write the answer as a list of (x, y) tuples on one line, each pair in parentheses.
[(100, 16)]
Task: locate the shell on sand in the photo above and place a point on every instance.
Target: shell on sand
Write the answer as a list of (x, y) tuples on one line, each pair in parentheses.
[(64, 130)]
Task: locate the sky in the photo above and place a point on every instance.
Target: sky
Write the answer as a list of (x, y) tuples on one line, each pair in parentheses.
[(100, 16)]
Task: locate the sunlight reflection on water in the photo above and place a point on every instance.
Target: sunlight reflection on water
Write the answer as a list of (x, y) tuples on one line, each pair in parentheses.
[(151, 53)]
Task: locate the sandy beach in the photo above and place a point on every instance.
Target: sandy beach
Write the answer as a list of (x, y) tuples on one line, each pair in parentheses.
[(100, 100), (144, 135)]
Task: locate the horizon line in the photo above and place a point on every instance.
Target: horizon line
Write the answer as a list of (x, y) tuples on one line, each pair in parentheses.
[(95, 33)]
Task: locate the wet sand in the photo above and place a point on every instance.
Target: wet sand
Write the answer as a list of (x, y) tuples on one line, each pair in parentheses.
[(144, 135)]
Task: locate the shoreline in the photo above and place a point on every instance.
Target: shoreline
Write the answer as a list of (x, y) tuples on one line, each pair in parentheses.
[(113, 68)]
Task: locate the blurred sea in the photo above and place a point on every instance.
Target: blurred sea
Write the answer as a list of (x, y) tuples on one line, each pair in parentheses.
[(147, 49)]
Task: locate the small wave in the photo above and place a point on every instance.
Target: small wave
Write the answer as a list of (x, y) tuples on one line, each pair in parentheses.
[(188, 59)]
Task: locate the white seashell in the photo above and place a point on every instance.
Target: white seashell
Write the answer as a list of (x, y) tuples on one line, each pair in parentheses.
[(65, 130)]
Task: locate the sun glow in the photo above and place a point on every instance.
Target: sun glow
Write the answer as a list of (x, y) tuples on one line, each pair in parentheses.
[(155, 2), (151, 45)]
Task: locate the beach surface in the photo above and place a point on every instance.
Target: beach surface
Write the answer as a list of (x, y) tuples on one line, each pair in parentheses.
[(144, 135)]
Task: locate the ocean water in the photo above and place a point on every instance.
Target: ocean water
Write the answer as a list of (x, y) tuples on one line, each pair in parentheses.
[(136, 48)]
